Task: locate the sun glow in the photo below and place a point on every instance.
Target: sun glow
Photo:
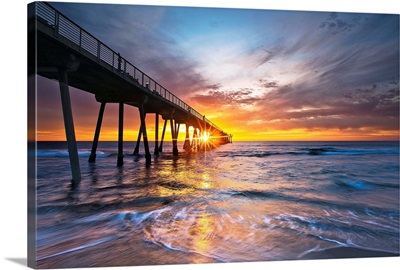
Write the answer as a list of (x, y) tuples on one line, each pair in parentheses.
[(205, 136)]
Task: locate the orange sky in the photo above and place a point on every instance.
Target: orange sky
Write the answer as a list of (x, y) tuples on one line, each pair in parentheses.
[(257, 74), (241, 124)]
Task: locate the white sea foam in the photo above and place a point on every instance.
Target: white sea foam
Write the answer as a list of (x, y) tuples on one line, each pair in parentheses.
[(64, 153), (84, 246)]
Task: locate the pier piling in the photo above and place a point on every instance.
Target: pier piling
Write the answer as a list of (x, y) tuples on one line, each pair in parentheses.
[(120, 160), (186, 145), (174, 133), (136, 150), (160, 148), (92, 157), (156, 150), (69, 126), (143, 129)]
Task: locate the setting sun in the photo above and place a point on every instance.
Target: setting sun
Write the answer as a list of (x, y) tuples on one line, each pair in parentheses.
[(205, 136)]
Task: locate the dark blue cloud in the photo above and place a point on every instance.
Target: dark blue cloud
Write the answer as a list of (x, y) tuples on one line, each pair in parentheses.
[(140, 35)]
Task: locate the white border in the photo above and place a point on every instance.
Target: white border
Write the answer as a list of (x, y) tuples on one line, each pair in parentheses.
[(14, 134)]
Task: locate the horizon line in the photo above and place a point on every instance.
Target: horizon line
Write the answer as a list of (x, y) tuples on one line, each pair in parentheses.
[(239, 140)]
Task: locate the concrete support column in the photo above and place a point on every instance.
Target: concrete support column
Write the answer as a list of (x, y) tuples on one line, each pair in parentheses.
[(198, 139), (156, 150), (160, 149), (69, 126), (186, 145), (120, 160), (143, 128), (136, 151), (92, 157), (174, 132), (194, 140)]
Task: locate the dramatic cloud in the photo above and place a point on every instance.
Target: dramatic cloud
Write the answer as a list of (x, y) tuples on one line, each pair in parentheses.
[(336, 25), (219, 98), (268, 84), (142, 36), (376, 107), (267, 71)]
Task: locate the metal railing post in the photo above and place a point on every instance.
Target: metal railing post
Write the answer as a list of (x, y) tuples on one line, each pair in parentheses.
[(124, 68), (56, 23), (80, 39), (113, 61), (98, 51)]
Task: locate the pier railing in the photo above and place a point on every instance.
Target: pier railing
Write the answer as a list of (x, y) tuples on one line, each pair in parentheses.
[(68, 29)]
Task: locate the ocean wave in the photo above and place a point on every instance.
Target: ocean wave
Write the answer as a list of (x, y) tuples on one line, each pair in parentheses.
[(99, 207), (346, 252), (64, 153), (140, 217), (360, 151), (81, 247), (315, 226), (363, 185), (340, 205), (311, 151), (353, 184)]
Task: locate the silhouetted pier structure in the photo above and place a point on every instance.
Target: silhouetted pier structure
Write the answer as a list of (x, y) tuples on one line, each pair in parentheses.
[(74, 57)]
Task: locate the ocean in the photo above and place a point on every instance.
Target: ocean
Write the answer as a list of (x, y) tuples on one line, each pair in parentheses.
[(239, 202)]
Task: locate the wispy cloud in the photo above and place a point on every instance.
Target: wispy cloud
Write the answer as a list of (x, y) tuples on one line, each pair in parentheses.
[(226, 98), (336, 25), (140, 35), (265, 69)]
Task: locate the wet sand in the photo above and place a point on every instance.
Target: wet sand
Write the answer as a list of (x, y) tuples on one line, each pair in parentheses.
[(123, 252), (347, 252)]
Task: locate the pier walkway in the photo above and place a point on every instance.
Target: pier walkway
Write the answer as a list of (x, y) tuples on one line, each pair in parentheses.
[(69, 54)]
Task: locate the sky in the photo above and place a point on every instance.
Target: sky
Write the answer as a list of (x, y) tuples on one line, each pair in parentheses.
[(257, 74)]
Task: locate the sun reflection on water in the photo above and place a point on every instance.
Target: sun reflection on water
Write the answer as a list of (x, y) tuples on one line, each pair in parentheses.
[(202, 232)]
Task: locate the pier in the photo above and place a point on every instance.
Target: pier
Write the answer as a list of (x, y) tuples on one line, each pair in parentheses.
[(67, 53)]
